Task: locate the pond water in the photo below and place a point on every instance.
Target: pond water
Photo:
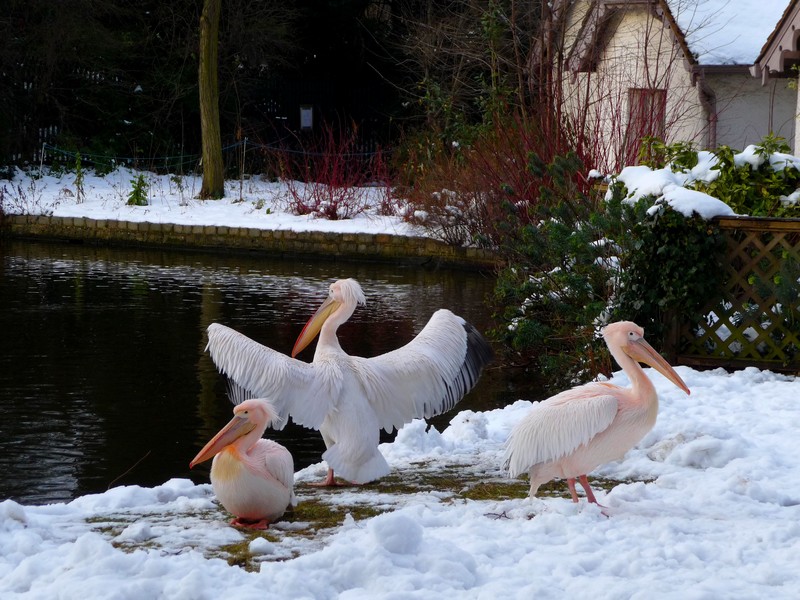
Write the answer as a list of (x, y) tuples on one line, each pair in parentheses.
[(104, 380)]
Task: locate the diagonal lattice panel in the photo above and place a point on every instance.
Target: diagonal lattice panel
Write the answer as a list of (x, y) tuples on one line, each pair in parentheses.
[(756, 319)]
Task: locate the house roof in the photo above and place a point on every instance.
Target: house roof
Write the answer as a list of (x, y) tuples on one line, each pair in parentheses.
[(782, 50), (727, 32), (712, 32)]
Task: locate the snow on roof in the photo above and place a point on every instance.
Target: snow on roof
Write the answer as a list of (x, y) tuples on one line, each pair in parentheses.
[(727, 32)]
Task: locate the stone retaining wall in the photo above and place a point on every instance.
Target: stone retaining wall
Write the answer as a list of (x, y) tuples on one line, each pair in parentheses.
[(360, 246)]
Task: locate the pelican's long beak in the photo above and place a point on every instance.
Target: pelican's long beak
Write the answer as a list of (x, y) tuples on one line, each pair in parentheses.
[(238, 427), (643, 352), (314, 324)]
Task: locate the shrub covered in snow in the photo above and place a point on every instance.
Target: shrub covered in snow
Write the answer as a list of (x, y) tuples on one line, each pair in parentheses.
[(649, 252)]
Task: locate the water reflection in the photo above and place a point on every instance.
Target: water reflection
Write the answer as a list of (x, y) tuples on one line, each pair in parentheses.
[(103, 376)]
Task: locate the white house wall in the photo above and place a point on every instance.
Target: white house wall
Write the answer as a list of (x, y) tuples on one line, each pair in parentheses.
[(747, 111), (641, 53), (796, 146)]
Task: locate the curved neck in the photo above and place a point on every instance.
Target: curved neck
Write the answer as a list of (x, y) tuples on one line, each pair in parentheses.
[(639, 379), (327, 334), (247, 441)]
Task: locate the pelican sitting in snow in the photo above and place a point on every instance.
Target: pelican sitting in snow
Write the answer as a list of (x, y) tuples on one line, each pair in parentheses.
[(349, 398), (572, 433), (253, 478)]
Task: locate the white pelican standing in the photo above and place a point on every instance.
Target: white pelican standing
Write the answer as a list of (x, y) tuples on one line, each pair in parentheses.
[(253, 478), (349, 399), (574, 432)]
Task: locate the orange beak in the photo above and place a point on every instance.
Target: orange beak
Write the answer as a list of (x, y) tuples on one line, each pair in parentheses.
[(314, 324), (238, 427), (641, 351)]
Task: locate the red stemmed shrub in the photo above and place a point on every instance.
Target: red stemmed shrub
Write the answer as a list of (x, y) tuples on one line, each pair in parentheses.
[(462, 193), (329, 175)]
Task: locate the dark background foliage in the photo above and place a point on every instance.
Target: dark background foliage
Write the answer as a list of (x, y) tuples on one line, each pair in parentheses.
[(119, 79)]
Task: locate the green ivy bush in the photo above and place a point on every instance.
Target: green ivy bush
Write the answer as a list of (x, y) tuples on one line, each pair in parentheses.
[(582, 262), (759, 191), (671, 267)]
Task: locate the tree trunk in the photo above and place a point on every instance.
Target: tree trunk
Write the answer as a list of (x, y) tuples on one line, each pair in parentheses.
[(213, 172)]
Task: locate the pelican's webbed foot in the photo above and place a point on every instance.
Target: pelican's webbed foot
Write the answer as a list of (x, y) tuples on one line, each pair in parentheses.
[(329, 481), (261, 524)]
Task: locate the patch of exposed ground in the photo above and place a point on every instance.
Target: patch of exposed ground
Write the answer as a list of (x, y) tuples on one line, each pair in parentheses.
[(319, 513)]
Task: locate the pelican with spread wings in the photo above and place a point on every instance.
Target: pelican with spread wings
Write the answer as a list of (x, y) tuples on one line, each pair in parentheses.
[(349, 399)]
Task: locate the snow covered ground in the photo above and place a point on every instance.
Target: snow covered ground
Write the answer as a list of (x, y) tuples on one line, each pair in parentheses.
[(254, 202), (708, 506)]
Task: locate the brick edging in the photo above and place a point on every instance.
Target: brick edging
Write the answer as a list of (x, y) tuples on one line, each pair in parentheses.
[(361, 246)]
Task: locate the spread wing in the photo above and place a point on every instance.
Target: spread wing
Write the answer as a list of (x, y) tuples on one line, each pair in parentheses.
[(255, 371), (427, 376), (559, 425)]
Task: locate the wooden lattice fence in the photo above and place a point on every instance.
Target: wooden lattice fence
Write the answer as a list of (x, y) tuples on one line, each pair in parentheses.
[(756, 319)]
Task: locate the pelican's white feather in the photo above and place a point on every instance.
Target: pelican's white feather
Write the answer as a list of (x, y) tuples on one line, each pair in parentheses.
[(558, 426), (424, 378), (278, 461), (292, 386), (572, 433)]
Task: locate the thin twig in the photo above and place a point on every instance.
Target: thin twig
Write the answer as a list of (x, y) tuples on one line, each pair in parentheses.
[(136, 464)]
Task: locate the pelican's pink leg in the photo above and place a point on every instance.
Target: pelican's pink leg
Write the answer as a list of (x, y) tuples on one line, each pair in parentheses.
[(329, 481), (571, 486), (587, 488)]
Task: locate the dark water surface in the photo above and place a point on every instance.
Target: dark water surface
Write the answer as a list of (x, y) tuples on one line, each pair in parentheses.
[(103, 376)]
